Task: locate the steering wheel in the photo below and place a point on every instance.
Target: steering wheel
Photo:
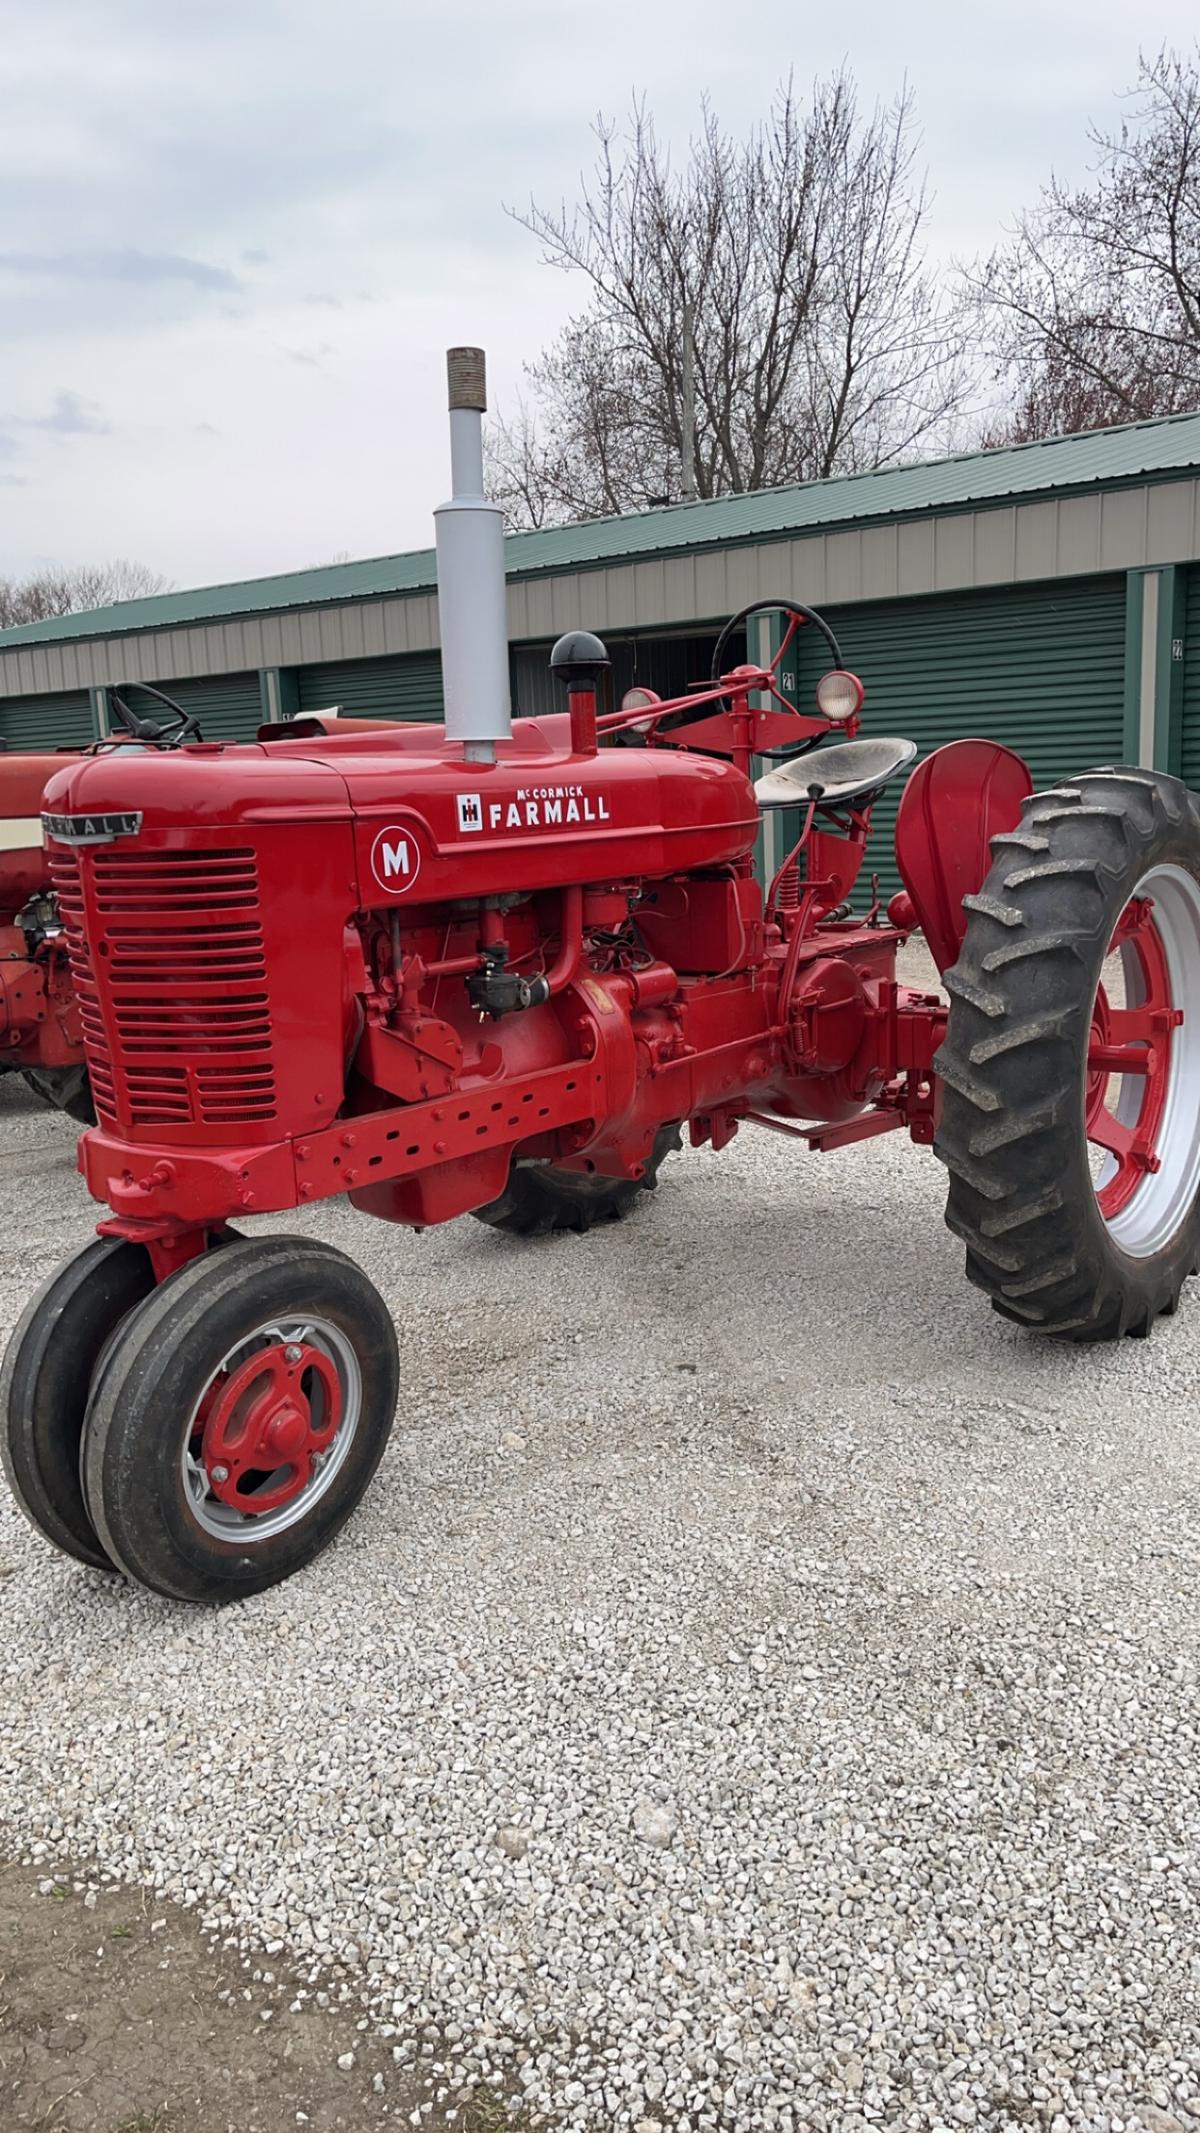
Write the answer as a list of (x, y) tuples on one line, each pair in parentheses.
[(798, 614), (183, 725)]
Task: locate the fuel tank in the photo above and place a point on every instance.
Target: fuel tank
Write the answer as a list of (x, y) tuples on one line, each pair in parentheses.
[(427, 826)]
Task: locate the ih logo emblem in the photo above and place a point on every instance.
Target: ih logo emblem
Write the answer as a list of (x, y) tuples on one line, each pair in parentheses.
[(470, 811), (395, 860)]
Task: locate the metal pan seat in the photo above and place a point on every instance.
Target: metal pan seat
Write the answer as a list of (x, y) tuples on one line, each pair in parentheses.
[(847, 771)]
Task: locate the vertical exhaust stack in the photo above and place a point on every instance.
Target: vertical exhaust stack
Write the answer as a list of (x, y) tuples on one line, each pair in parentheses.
[(472, 614)]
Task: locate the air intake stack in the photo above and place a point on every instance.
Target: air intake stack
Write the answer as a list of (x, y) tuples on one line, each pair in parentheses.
[(472, 614)]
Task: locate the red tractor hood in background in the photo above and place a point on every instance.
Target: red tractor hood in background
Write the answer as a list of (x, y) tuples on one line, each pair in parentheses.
[(23, 780)]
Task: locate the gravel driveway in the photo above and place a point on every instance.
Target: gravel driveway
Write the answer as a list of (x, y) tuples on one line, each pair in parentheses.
[(761, 1689)]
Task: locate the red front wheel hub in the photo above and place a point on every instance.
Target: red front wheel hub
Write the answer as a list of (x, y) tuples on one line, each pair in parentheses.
[(267, 1422), (274, 1419)]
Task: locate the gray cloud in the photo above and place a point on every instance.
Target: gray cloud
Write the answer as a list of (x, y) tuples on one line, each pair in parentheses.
[(309, 358), (187, 193), (141, 268), (70, 416)]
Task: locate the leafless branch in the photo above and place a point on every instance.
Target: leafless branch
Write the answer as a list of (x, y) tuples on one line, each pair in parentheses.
[(71, 592), (821, 343), (1090, 314)]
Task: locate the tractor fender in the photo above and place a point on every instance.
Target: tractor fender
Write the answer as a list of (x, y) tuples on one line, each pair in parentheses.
[(955, 802)]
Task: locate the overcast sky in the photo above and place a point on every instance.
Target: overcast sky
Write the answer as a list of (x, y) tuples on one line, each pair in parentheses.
[(236, 238)]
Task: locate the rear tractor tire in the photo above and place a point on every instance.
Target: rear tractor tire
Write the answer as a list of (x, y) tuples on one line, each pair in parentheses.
[(65, 1089), (1070, 1069), (541, 1197)]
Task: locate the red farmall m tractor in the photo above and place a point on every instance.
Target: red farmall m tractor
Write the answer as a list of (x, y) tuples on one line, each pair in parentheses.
[(499, 970), (40, 1033)]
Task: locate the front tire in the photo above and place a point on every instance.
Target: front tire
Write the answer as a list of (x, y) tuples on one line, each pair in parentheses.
[(239, 1419), (1070, 1070), (50, 1367)]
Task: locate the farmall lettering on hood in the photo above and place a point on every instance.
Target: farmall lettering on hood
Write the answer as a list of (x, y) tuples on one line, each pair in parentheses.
[(548, 807)]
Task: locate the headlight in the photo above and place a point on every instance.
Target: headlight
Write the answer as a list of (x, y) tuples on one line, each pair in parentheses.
[(839, 695), (640, 700)]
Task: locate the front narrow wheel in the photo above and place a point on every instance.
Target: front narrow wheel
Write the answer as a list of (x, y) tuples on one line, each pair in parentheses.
[(237, 1424), (49, 1369), (1071, 1066)]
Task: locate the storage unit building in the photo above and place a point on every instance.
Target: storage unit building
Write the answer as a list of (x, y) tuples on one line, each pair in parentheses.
[(1046, 595)]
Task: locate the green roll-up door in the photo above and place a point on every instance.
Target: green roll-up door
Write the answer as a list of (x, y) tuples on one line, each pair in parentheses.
[(1039, 667), (227, 706), (408, 685), (668, 665), (1190, 754), (45, 722)]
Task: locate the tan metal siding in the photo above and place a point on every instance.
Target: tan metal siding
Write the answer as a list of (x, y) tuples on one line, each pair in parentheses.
[(1171, 528)]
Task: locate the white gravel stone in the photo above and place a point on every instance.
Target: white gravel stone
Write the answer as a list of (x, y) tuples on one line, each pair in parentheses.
[(654, 1824), (889, 1613), (514, 1843)]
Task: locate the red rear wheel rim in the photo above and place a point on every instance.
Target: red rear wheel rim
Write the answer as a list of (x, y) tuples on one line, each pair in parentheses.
[(1130, 1060)]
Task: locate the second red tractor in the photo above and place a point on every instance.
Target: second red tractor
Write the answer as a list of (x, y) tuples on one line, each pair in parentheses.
[(41, 1037)]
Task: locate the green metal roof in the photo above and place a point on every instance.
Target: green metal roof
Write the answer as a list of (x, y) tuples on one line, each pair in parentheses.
[(1163, 446)]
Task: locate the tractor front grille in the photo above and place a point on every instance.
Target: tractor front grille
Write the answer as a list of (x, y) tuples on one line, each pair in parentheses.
[(169, 964)]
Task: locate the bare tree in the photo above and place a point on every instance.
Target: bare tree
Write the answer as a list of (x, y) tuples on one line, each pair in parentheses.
[(1091, 312), (820, 343), (75, 591)]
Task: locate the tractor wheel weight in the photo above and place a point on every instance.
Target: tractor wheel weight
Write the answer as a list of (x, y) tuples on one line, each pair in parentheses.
[(239, 1418)]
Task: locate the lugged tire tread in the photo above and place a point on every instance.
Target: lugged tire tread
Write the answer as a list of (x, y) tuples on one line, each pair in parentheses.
[(994, 907), (1020, 951), (1021, 840), (1044, 1203), (1019, 1033), (963, 988), (1054, 870)]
